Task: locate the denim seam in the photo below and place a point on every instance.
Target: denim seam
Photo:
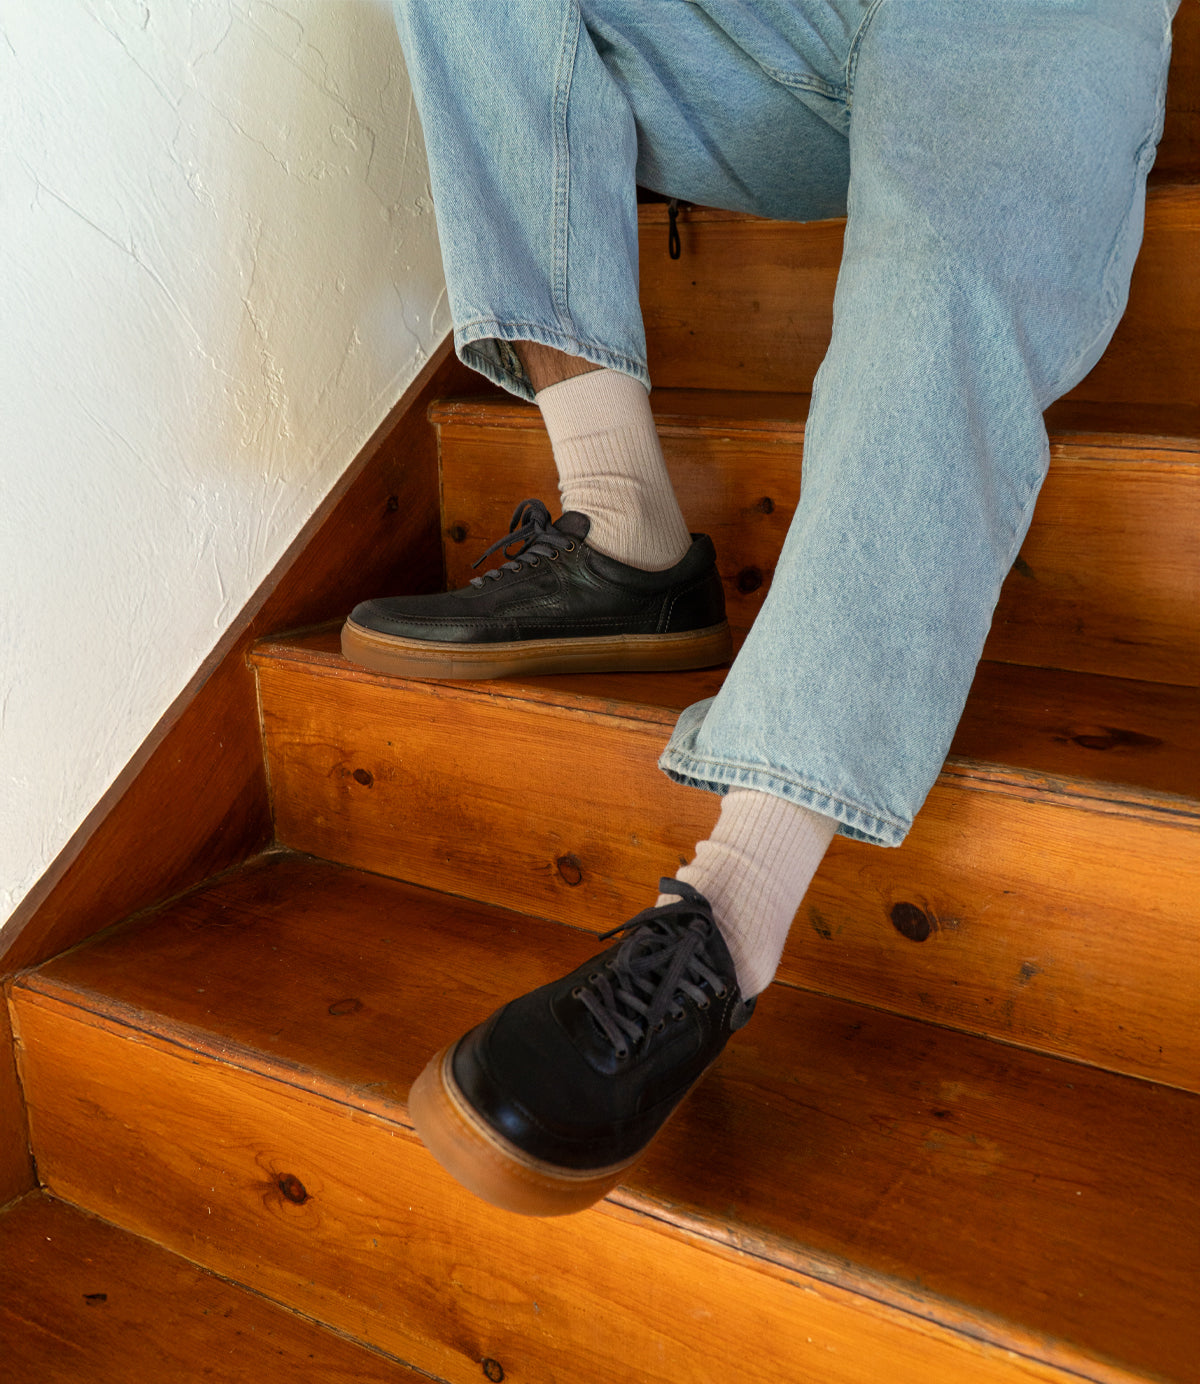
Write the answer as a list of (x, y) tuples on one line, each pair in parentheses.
[(1141, 163), (478, 329), (1019, 530), (759, 773), (562, 160), (818, 85), (855, 47)]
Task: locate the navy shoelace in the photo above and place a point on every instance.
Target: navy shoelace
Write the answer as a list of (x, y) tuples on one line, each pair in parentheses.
[(531, 527), (662, 960)]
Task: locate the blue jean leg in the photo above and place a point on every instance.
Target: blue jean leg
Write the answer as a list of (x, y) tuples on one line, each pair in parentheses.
[(540, 117), (998, 162), (996, 156)]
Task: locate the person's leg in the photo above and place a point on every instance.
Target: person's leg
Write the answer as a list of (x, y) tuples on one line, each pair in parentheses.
[(537, 218), (999, 159), (698, 135), (999, 155), (541, 117)]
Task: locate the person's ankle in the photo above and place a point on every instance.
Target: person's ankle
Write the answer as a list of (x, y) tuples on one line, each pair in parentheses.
[(754, 869), (611, 468)]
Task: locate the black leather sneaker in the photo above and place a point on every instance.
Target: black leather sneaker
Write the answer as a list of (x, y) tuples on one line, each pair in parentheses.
[(556, 606), (544, 1107)]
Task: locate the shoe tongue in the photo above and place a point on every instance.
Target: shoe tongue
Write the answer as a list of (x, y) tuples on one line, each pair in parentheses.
[(573, 524)]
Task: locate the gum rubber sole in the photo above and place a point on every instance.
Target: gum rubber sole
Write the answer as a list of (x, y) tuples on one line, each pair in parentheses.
[(622, 653), (486, 1163)]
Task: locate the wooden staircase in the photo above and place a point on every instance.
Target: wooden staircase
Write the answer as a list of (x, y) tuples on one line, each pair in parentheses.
[(960, 1140)]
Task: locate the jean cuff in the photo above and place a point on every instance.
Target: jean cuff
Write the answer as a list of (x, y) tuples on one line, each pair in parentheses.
[(681, 763), (484, 346)]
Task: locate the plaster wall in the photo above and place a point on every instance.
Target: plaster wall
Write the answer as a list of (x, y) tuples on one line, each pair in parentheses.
[(220, 269)]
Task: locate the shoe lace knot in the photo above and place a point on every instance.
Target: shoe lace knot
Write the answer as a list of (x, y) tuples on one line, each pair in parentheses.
[(531, 527), (663, 961)]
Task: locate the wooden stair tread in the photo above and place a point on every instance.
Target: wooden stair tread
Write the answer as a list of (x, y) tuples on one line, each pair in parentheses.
[(1107, 580), (1122, 425), (1034, 900), (83, 1301), (750, 302), (1119, 742), (869, 1150)]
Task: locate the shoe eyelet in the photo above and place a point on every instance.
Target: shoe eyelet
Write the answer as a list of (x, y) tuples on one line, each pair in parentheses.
[(535, 562), (705, 1005), (577, 993), (594, 977), (622, 1054), (720, 994), (554, 555), (570, 547), (660, 1026)]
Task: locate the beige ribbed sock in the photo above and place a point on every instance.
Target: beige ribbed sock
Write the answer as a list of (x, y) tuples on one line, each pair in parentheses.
[(755, 869), (610, 467)]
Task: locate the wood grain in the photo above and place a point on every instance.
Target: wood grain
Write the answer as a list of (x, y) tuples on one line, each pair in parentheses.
[(271, 1027), (1179, 151), (738, 479), (1056, 864), (1108, 579), (16, 1167), (749, 305), (1153, 356), (83, 1301)]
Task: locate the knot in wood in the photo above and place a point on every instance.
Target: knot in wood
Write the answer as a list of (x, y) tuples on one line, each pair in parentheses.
[(493, 1369), (293, 1189), (911, 922), (570, 869)]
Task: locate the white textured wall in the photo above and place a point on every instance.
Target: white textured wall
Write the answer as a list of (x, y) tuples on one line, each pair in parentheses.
[(219, 270)]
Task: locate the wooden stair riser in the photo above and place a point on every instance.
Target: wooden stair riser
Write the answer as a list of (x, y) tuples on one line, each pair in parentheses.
[(1047, 920), (1108, 579), (1179, 150), (84, 1303), (840, 1143), (195, 1155), (749, 305)]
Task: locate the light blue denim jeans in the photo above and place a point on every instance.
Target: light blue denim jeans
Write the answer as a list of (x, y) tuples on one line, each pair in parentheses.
[(991, 156)]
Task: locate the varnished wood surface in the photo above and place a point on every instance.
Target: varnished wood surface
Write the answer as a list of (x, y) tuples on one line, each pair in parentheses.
[(1105, 424), (16, 1170), (1103, 733), (749, 305), (82, 1302), (342, 1215), (269, 1030), (1179, 150), (1108, 579), (1052, 875), (1153, 355)]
